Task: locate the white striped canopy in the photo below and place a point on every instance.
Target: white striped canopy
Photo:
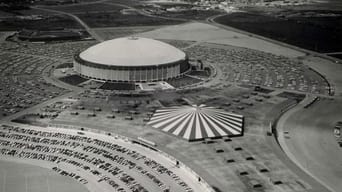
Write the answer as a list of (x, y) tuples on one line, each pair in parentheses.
[(197, 122)]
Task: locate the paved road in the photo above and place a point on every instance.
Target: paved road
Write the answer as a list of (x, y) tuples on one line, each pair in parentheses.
[(310, 142)]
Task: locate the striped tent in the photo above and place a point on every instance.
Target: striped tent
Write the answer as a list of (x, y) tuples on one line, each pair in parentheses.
[(197, 122)]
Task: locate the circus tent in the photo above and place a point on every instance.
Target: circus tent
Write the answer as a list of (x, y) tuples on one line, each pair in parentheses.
[(197, 122)]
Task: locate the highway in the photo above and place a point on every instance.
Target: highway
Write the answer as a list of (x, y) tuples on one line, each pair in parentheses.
[(306, 136)]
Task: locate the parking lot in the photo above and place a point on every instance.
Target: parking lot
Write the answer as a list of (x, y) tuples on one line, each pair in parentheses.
[(251, 67), (23, 67), (99, 162)]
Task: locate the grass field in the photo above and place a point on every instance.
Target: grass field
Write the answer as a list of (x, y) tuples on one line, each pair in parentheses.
[(7, 12), (109, 15), (118, 86), (180, 82), (192, 14), (115, 32), (116, 19), (73, 79), (32, 12), (337, 56), (305, 29), (56, 21), (97, 7)]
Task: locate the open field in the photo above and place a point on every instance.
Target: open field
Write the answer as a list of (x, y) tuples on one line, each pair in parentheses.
[(63, 2), (204, 32), (108, 33), (180, 10), (338, 56), (117, 19), (48, 22), (84, 2), (111, 15), (87, 8), (5, 14), (28, 12), (192, 14), (314, 30)]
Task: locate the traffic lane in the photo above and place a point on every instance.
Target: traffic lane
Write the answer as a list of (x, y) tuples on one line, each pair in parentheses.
[(312, 142)]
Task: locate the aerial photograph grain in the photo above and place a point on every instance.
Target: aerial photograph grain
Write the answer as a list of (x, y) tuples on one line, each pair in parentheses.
[(170, 96)]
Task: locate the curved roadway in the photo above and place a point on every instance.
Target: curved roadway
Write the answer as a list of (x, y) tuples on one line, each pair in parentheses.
[(306, 136)]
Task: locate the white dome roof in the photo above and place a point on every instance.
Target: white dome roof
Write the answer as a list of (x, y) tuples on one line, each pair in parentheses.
[(132, 51)]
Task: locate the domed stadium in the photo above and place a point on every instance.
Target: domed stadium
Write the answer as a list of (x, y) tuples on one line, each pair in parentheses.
[(131, 59)]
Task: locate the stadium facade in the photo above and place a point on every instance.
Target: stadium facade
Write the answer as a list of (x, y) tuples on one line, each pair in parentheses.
[(131, 59)]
